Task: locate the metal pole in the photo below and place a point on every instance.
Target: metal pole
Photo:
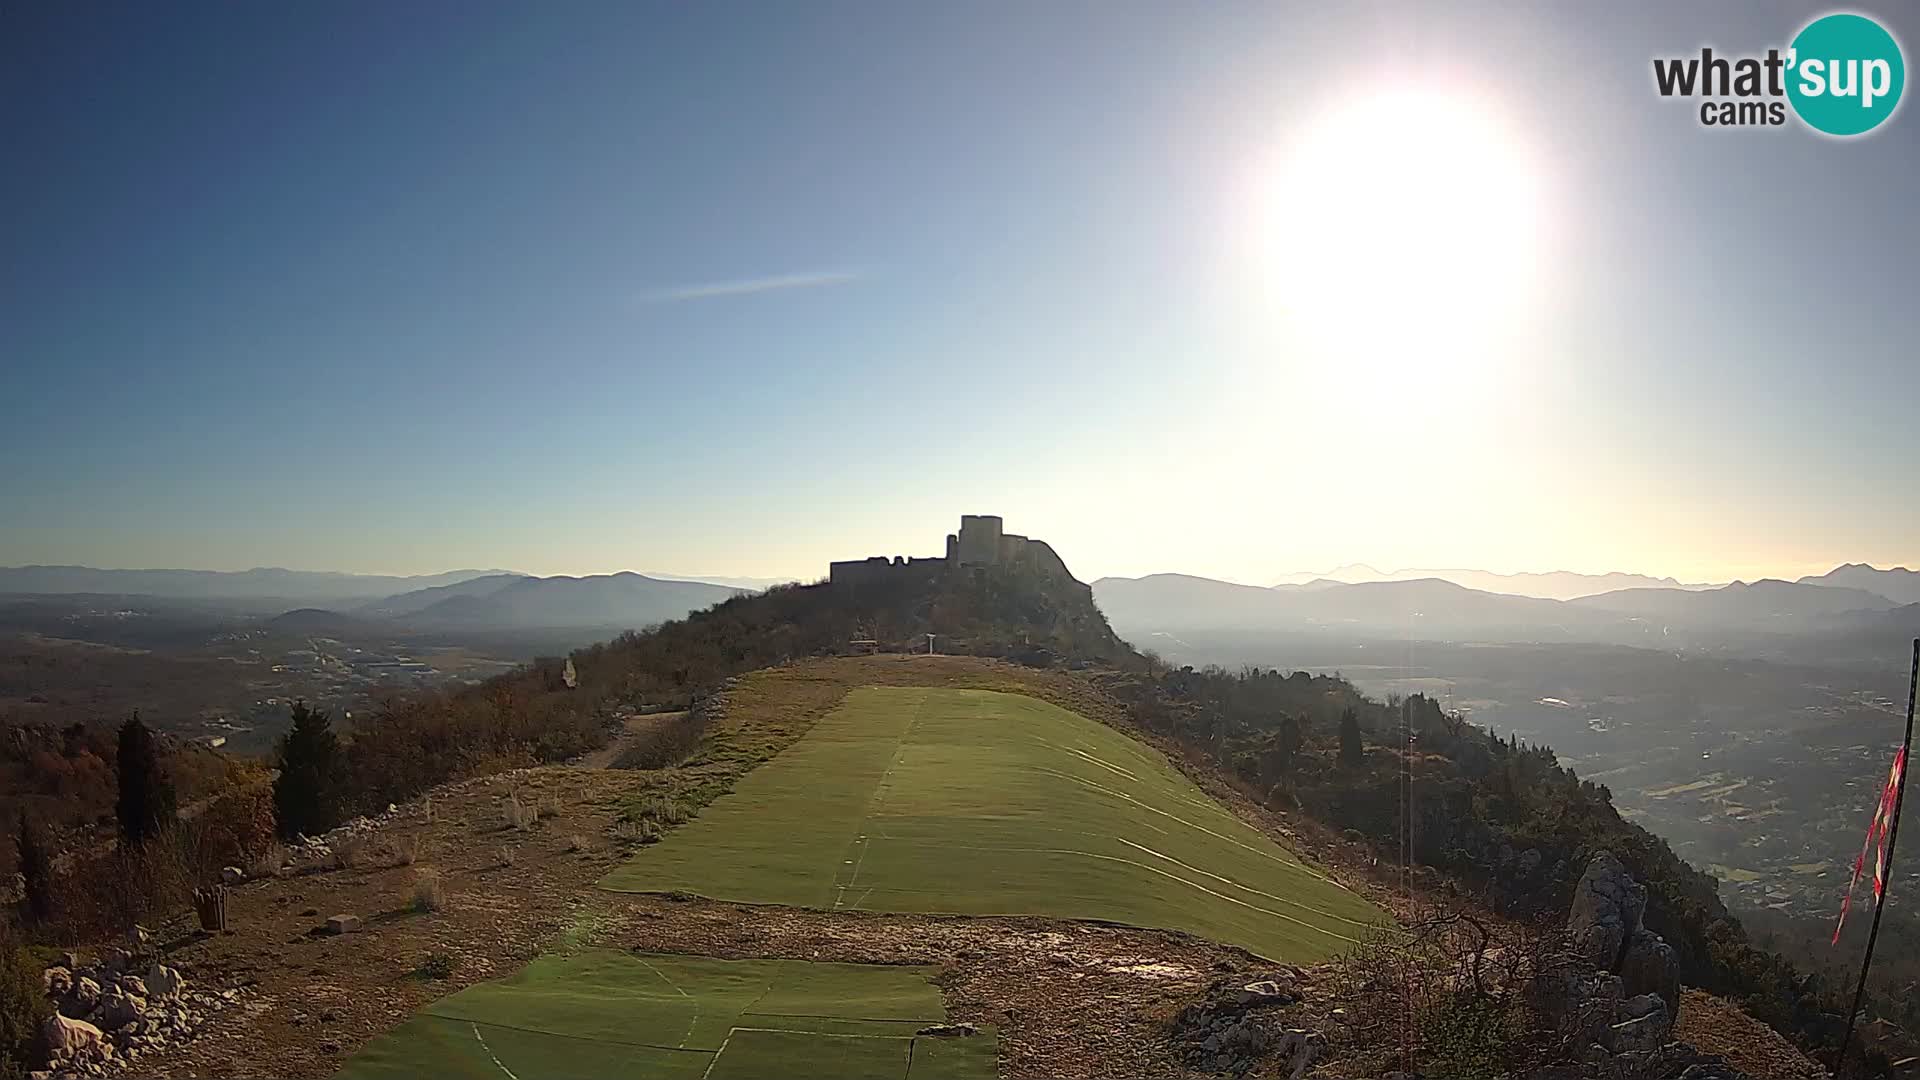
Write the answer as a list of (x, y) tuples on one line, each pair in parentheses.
[(1893, 837)]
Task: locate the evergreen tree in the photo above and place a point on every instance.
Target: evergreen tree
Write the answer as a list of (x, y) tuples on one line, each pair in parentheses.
[(1351, 748), (146, 805), (36, 871), (23, 1005), (1291, 739), (310, 792)]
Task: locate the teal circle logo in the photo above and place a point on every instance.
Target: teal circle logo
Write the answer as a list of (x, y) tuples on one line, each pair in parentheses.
[(1845, 74)]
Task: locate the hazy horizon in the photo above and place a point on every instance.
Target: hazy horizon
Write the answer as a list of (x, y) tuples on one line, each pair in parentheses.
[(742, 579), (1229, 291)]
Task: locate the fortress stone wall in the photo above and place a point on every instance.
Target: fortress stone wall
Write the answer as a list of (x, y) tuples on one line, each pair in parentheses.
[(981, 542)]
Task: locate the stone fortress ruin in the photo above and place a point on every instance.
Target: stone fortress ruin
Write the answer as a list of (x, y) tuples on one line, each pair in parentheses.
[(980, 543)]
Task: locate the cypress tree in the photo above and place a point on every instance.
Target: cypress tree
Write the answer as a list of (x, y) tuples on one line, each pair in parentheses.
[(310, 792), (36, 871), (146, 805), (1351, 748)]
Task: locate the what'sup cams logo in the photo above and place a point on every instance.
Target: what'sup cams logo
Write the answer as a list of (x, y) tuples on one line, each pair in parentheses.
[(1842, 75)]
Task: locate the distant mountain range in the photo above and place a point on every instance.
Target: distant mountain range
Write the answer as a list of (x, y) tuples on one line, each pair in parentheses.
[(1899, 584), (470, 600), (1754, 605), (261, 582), (1557, 585), (1438, 610), (511, 601)]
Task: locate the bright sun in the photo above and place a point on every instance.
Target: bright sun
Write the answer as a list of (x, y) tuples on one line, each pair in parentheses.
[(1403, 241)]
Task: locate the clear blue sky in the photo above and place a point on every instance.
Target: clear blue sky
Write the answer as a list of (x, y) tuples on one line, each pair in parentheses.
[(738, 289)]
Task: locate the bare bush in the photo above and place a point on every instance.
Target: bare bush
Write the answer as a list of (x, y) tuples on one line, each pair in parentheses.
[(516, 814), (663, 809), (1453, 991), (428, 892), (268, 863), (667, 742)]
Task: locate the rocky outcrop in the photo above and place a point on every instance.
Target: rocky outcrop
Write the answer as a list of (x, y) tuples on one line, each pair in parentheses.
[(1238, 1026), (106, 1017), (1607, 908), (1616, 997)]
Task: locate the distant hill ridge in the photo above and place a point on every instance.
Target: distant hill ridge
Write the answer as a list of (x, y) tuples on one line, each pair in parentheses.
[(1898, 584), (260, 582), (1552, 585), (1435, 609)]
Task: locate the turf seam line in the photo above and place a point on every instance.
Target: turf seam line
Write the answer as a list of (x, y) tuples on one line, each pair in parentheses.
[(482, 1040), (691, 1024), (867, 815), (564, 1035), (1291, 864), (1245, 888), (1172, 877), (923, 1020), (818, 1034)]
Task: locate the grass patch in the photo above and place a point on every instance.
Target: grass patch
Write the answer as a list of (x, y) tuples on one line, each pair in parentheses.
[(599, 1013), (984, 803)]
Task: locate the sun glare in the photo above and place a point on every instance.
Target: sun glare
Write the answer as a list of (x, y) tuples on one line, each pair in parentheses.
[(1402, 242)]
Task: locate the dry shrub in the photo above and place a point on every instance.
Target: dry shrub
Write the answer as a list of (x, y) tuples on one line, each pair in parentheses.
[(426, 807), (637, 832), (428, 893), (239, 826), (660, 808), (102, 896), (515, 814), (666, 743), (267, 863), (1454, 989)]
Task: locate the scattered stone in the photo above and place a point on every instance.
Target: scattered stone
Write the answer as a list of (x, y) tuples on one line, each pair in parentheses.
[(56, 981), (949, 1031), (85, 995), (67, 1037), (165, 982), (343, 924), (1266, 992)]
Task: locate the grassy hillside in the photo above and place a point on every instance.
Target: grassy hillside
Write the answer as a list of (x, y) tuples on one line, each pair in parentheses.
[(599, 1013), (983, 803)]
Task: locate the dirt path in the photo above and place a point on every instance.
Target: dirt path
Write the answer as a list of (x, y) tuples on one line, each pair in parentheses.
[(635, 726)]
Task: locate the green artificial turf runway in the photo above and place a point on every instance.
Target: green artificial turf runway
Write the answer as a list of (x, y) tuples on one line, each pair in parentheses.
[(981, 803), (599, 1014)]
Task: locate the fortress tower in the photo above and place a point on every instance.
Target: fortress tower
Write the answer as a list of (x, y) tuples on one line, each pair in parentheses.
[(979, 540)]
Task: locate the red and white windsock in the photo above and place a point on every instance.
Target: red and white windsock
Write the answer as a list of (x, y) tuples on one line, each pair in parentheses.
[(1876, 841)]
